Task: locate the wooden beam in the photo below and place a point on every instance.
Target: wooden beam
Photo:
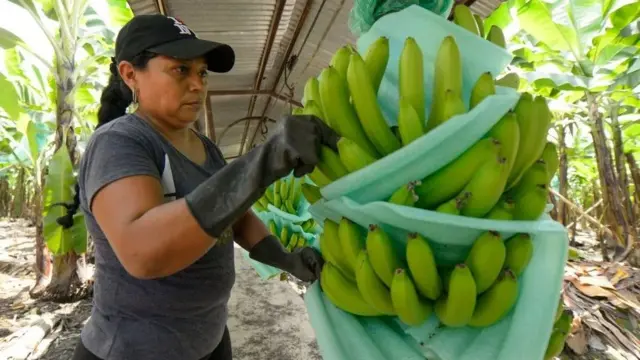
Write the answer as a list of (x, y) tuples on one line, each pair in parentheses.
[(264, 60), (256, 93), (161, 7)]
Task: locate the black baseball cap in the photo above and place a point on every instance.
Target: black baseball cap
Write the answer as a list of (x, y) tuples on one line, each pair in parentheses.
[(166, 35)]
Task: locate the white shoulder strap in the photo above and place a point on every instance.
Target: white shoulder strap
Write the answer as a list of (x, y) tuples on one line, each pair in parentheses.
[(167, 181)]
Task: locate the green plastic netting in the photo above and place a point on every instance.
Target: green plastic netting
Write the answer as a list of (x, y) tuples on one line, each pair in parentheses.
[(365, 12)]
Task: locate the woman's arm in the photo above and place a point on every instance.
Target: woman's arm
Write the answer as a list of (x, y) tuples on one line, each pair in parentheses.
[(249, 230)]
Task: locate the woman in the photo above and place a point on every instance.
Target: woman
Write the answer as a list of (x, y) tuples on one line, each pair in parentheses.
[(162, 204)]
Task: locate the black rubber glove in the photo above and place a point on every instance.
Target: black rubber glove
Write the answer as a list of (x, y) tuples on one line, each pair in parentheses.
[(294, 146), (304, 263)]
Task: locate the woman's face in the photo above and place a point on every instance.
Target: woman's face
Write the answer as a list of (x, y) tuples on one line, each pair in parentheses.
[(171, 90)]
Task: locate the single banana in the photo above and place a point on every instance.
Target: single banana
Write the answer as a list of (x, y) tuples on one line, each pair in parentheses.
[(405, 195), (352, 242), (338, 110), (340, 60), (330, 164), (533, 117), (463, 17), (382, 254), (314, 108), (411, 77), (519, 250), (311, 193), (319, 178), (291, 209), (564, 322), (273, 229), (480, 24), (455, 205), (366, 105), (550, 156), (447, 75), (503, 210), (507, 131), (422, 265), (372, 289), (497, 301), (449, 180), (559, 309), (264, 201), (496, 36), (269, 194), (410, 126), (277, 200), (555, 345), (485, 259), (376, 59), (344, 293), (536, 174), (483, 87), (312, 93), (485, 186), (511, 80), (411, 309), (331, 248), (297, 111), (258, 205), (451, 106), (352, 156), (456, 308), (293, 242), (284, 235), (296, 188), (284, 190), (530, 204)]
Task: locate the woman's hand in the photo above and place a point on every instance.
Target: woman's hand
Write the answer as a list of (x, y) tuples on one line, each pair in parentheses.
[(306, 264)]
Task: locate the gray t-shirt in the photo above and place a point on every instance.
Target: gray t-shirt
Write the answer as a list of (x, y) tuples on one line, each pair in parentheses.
[(178, 317)]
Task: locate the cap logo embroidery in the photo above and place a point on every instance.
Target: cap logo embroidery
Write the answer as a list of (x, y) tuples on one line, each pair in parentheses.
[(182, 27)]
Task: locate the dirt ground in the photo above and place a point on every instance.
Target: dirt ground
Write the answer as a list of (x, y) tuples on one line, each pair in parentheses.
[(267, 320)]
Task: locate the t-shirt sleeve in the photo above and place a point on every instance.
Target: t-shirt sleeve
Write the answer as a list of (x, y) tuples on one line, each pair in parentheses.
[(113, 155)]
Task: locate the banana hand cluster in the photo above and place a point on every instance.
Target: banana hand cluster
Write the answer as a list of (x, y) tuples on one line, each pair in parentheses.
[(285, 194), (291, 240)]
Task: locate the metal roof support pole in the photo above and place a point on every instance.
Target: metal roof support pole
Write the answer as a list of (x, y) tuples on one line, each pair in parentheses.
[(264, 60), (161, 7), (285, 60), (209, 124)]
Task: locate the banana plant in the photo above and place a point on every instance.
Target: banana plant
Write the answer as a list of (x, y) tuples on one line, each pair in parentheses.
[(82, 44)]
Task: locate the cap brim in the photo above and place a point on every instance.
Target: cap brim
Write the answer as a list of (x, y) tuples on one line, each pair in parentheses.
[(220, 57)]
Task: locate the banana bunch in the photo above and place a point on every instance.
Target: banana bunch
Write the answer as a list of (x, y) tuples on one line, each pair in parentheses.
[(285, 194), (291, 240)]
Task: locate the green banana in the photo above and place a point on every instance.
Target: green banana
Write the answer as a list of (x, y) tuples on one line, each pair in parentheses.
[(284, 190), (463, 17), (564, 322), (447, 76), (533, 117), (511, 80), (319, 178), (519, 250), (411, 309), (410, 126), (312, 93), (296, 111), (293, 242), (555, 345), (269, 194), (483, 87), (503, 210), (340, 60), (330, 164), (485, 186), (372, 289), (559, 309), (314, 108), (311, 193), (550, 156), (422, 265), (376, 59), (496, 36), (284, 234), (272, 227), (291, 209), (259, 206), (480, 24), (366, 105), (277, 200), (507, 131), (530, 204), (264, 201), (352, 242), (497, 301), (405, 195), (485, 259), (344, 293), (411, 77), (449, 180), (451, 106), (536, 174), (382, 254), (339, 111), (352, 156), (456, 308), (455, 205), (331, 248)]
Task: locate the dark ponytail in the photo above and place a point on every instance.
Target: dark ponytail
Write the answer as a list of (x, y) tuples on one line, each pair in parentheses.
[(115, 99)]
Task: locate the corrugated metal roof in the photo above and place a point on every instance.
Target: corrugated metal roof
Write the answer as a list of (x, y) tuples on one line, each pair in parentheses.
[(245, 25)]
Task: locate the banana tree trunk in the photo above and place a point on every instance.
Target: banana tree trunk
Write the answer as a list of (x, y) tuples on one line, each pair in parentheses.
[(43, 257), (608, 180), (5, 197), (562, 174), (18, 195), (621, 169), (635, 176)]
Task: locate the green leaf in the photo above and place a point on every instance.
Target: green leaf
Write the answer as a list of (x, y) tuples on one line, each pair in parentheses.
[(120, 13), (30, 132), (58, 189), (8, 39), (9, 100), (625, 15)]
